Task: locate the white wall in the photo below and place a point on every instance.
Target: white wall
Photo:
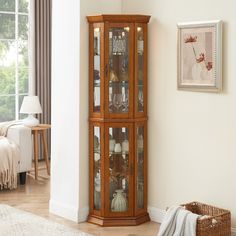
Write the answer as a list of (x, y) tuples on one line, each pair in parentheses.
[(69, 165), (192, 135), (65, 108)]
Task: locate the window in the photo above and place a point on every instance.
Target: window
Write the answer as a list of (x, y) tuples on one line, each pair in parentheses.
[(14, 57)]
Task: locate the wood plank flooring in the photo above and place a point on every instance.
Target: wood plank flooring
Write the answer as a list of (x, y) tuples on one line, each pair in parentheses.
[(34, 197)]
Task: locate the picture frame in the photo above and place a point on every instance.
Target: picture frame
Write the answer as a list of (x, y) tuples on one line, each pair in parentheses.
[(200, 56)]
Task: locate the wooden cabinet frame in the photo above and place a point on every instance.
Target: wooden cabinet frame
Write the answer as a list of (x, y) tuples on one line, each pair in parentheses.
[(105, 119)]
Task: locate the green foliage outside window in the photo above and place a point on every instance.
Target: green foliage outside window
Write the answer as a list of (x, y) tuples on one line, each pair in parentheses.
[(8, 54), (7, 5)]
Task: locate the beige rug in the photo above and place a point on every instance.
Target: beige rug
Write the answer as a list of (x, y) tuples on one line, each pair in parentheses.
[(14, 222)]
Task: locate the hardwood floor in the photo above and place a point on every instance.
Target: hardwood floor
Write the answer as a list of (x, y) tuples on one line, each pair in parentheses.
[(34, 197)]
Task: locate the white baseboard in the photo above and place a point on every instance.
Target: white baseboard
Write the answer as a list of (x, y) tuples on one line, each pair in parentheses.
[(157, 215), (233, 231), (68, 212), (83, 214)]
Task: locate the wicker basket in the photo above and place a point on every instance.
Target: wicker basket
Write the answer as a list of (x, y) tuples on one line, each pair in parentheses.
[(218, 224)]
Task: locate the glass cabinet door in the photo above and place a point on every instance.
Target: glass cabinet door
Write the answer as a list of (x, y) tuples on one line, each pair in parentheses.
[(96, 71), (140, 170), (120, 170), (97, 167), (120, 69), (140, 156), (140, 81)]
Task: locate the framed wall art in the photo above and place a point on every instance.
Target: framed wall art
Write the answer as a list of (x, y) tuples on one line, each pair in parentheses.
[(200, 56)]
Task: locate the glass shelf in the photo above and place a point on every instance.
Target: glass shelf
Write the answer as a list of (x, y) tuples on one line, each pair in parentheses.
[(119, 81), (96, 83), (118, 84), (118, 153), (97, 151), (119, 54)]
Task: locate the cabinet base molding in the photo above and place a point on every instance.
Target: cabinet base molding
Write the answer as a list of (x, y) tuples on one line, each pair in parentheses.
[(119, 221)]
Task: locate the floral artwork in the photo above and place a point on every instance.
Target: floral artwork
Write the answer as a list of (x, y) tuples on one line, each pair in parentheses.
[(199, 56)]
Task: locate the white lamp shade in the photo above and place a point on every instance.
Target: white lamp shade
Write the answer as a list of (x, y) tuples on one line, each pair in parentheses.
[(31, 105)]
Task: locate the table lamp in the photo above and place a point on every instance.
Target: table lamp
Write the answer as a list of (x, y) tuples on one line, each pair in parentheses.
[(31, 106)]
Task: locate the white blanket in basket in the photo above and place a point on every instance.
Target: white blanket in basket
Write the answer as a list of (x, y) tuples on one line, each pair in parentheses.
[(178, 222)]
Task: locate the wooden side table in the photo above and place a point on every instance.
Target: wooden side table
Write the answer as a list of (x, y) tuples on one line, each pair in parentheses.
[(37, 131)]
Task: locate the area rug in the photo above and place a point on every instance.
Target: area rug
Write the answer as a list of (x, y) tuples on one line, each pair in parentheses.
[(14, 222)]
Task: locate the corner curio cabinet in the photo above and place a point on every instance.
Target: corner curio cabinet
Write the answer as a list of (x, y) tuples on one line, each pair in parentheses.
[(118, 119)]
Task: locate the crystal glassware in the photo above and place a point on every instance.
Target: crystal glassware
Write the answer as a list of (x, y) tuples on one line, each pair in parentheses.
[(117, 101), (140, 97), (126, 102)]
